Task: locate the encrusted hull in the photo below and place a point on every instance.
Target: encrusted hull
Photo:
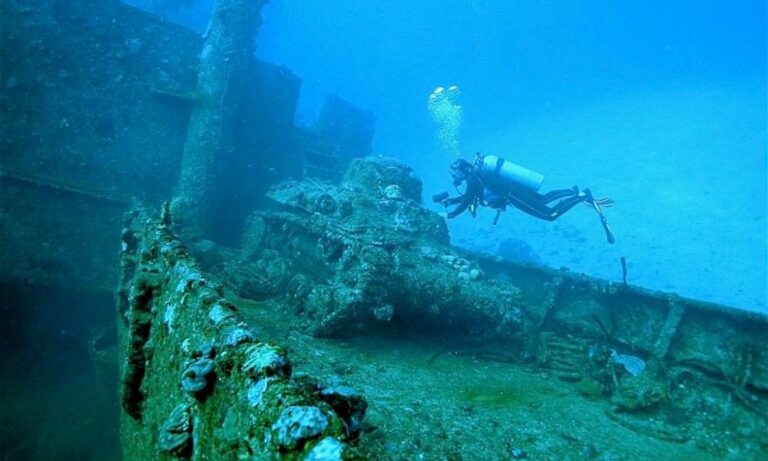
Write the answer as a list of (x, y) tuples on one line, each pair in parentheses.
[(362, 258)]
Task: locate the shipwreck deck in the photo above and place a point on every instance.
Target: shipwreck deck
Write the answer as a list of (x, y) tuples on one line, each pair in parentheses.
[(348, 315), (440, 401)]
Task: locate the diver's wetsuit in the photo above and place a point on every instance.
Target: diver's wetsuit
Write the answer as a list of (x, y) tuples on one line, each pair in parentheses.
[(525, 200), (486, 188), (472, 195), (535, 204)]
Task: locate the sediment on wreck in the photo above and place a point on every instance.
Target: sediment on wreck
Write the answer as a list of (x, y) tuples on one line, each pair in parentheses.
[(362, 257), (224, 58), (195, 382)]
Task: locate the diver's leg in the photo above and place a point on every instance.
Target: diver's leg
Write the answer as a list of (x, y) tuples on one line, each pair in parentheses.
[(533, 204), (566, 204), (557, 194)]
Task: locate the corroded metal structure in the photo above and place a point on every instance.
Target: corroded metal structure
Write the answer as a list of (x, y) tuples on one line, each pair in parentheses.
[(343, 259), (196, 383), (363, 256), (224, 60)]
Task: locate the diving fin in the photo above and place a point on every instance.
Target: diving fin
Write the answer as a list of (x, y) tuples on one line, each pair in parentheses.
[(597, 204), (608, 233), (605, 202)]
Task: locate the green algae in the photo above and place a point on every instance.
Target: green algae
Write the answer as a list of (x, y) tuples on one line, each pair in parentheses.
[(503, 396), (590, 389)]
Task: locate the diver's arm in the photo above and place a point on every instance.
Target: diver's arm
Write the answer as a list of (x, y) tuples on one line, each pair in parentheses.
[(465, 202), (474, 188), (452, 200)]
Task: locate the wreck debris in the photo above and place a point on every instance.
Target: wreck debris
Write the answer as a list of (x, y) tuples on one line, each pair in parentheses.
[(198, 377), (219, 313), (256, 392), (363, 261), (347, 403), (222, 68), (565, 355), (238, 334), (377, 262), (329, 449), (265, 360), (667, 333), (140, 297), (176, 433), (633, 365), (226, 373), (712, 375), (297, 424), (624, 270), (547, 305)]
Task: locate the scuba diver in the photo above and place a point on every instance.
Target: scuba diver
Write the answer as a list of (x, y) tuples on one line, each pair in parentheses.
[(494, 182)]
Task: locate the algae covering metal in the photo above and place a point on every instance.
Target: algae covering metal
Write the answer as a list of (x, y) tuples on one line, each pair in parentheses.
[(363, 257), (224, 59), (363, 253), (363, 263), (672, 368), (196, 383)]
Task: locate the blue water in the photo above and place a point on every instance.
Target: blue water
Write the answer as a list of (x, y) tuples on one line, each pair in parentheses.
[(658, 105)]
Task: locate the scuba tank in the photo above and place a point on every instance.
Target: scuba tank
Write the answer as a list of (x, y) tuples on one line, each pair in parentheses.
[(496, 170)]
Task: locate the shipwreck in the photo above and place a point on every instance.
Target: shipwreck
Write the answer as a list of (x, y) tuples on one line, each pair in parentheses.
[(361, 258), (259, 290)]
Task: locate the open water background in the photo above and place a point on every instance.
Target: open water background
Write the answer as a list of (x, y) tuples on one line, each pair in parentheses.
[(658, 105)]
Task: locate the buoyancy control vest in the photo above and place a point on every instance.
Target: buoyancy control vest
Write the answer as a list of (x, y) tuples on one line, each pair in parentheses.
[(500, 175)]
